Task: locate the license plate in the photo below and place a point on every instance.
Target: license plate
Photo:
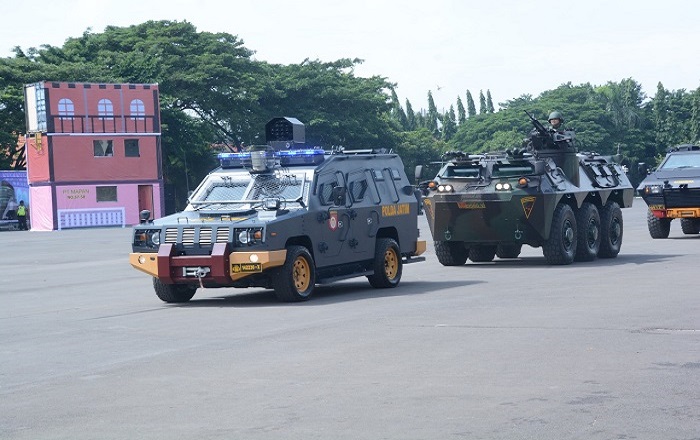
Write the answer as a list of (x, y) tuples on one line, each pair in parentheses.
[(246, 267)]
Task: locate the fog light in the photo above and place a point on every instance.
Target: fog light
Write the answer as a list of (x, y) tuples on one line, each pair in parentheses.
[(253, 258), (142, 259)]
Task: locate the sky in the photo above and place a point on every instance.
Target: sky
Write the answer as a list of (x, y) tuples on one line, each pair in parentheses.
[(508, 47)]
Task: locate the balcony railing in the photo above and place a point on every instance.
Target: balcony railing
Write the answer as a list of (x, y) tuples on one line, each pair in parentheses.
[(104, 124)]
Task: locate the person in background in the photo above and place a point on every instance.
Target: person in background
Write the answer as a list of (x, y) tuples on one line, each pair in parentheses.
[(22, 216), (10, 210)]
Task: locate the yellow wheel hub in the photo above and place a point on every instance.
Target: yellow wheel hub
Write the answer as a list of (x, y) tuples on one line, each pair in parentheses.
[(391, 264), (301, 274)]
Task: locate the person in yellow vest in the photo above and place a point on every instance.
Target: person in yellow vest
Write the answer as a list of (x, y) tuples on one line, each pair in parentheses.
[(22, 216)]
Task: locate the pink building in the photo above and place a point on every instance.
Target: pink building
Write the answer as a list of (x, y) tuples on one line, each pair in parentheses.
[(93, 154)]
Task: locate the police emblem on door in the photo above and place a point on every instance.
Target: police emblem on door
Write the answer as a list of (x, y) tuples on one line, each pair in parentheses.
[(333, 220)]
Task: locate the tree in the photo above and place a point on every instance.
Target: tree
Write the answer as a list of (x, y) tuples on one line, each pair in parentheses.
[(419, 147), (397, 112), (431, 120), (461, 112), (211, 91), (695, 117), (449, 124), (489, 102), (482, 102), (471, 108), (410, 116), (662, 123)]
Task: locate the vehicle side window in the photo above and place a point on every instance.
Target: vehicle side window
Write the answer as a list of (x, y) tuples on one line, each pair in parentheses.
[(370, 175), (325, 192), (391, 185), (326, 183), (357, 185)]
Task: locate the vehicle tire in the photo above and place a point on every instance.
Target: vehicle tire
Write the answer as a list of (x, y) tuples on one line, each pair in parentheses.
[(451, 253), (588, 227), (658, 227), (387, 264), (560, 247), (482, 253), (508, 250), (690, 226), (611, 230), (296, 278), (173, 293)]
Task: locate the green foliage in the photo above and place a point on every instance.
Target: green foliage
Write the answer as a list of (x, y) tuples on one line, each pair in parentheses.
[(212, 91), (482, 103), (461, 112), (431, 119), (489, 102), (449, 124), (471, 108), (419, 147)]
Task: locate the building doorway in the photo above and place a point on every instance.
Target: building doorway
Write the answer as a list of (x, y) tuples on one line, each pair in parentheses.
[(146, 199)]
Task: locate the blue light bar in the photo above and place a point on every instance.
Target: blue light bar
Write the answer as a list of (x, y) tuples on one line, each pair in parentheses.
[(300, 157), (286, 158)]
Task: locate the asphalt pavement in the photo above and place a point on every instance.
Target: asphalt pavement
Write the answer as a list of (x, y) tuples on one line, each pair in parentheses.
[(512, 349)]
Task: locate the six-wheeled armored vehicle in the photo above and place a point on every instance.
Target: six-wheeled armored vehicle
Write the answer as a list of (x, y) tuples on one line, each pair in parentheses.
[(545, 194), (673, 191), (285, 216)]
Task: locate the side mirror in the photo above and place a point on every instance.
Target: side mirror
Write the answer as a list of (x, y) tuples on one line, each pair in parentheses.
[(418, 172), (339, 195), (642, 169), (144, 216)]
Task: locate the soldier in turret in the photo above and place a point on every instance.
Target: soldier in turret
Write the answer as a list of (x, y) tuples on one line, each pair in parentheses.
[(556, 121)]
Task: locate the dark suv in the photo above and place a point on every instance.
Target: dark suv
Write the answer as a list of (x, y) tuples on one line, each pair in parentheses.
[(673, 191), (285, 216)]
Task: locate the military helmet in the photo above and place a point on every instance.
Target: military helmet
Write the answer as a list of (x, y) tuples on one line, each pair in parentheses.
[(556, 115)]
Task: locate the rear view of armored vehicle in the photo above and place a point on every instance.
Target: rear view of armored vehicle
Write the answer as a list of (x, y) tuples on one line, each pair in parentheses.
[(285, 216), (544, 195), (673, 191)]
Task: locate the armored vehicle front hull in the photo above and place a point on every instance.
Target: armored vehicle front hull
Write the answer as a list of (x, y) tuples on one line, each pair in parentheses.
[(285, 218), (673, 192)]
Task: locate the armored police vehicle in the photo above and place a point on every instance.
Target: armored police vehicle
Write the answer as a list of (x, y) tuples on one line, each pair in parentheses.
[(544, 195), (673, 191), (285, 216)]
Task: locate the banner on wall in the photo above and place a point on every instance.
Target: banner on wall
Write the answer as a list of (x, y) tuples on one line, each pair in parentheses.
[(13, 189)]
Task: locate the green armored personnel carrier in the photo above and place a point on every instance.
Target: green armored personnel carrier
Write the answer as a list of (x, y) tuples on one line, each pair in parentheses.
[(544, 195)]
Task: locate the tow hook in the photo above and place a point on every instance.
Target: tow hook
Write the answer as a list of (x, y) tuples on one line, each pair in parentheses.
[(201, 273)]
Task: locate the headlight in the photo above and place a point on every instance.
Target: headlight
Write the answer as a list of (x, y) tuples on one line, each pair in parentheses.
[(652, 189), (149, 238), (243, 237), (445, 188), (503, 186), (248, 236)]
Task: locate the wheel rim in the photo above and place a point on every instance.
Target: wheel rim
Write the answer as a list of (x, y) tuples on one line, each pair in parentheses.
[(301, 274), (568, 240), (615, 231), (391, 264), (592, 233)]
